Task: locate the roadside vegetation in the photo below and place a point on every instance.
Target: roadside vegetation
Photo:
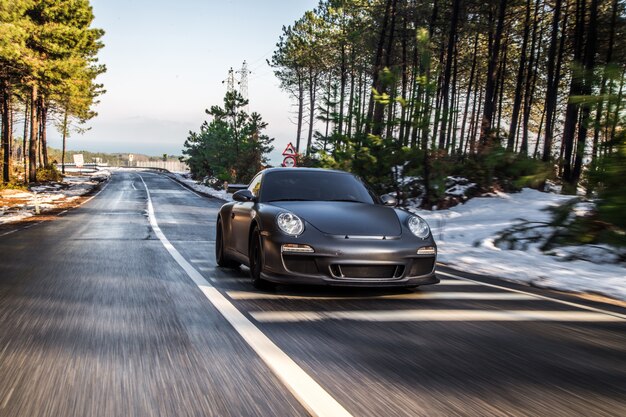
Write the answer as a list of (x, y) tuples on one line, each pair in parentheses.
[(231, 146), (420, 98), (48, 70), (507, 94)]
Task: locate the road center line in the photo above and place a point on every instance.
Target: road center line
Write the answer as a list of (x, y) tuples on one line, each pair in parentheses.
[(543, 297), (247, 295), (309, 393), (432, 316)]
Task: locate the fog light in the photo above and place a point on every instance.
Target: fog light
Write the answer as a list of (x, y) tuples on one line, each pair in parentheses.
[(427, 250), (294, 247)]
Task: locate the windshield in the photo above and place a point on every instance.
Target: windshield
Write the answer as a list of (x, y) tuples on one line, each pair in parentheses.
[(294, 185)]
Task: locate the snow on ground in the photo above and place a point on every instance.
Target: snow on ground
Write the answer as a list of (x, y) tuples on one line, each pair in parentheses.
[(17, 205), (465, 237), (201, 188)]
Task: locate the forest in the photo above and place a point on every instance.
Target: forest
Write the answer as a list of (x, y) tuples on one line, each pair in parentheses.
[(508, 93), (48, 70)]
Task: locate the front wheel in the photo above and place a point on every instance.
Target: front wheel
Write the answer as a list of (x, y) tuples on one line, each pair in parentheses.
[(257, 259), (220, 256)]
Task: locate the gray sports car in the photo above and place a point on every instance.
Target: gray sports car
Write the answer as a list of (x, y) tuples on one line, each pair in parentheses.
[(317, 226)]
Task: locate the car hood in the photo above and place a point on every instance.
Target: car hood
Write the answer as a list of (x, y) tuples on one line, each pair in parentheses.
[(346, 218)]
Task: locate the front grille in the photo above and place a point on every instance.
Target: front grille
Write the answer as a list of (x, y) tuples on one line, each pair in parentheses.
[(301, 264), (422, 266), (367, 271)]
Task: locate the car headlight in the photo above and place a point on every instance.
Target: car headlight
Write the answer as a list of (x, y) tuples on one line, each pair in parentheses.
[(290, 223), (419, 227)]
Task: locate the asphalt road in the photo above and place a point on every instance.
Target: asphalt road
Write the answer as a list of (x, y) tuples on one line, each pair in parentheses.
[(104, 314)]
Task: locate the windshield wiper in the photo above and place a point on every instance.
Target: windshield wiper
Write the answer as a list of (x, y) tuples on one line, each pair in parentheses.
[(289, 199), (348, 200)]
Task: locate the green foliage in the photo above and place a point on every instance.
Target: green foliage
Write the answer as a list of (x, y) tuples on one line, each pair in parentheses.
[(496, 167), (13, 185), (571, 229), (48, 173), (608, 178), (231, 147)]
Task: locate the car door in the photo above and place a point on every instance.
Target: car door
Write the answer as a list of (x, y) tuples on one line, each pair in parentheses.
[(241, 217)]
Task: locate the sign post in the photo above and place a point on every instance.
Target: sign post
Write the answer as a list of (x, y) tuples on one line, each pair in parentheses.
[(291, 156), (79, 161)]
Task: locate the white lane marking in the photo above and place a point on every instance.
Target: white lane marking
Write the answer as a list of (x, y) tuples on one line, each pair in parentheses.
[(133, 185), (245, 295), (61, 213), (432, 315), (543, 297), (455, 282), (309, 393), (9, 232), (199, 261)]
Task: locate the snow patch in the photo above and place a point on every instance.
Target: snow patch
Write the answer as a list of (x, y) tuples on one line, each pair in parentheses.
[(186, 179), (466, 235), (19, 205)]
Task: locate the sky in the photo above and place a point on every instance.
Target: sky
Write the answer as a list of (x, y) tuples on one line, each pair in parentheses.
[(165, 65)]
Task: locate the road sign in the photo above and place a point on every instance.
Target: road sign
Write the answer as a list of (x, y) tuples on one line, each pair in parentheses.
[(289, 161), (79, 161), (131, 157), (290, 150)]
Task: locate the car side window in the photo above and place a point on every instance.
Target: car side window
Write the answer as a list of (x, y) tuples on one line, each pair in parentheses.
[(255, 185)]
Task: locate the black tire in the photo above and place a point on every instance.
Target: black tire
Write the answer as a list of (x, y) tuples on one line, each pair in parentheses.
[(257, 258), (220, 256)]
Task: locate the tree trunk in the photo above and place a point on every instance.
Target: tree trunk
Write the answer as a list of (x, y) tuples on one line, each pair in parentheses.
[(378, 60), (609, 59), (404, 81), (489, 100), (44, 138), (342, 88), (351, 98), (7, 132), (379, 108), (530, 81), (469, 93), (576, 88), (312, 91), (65, 121), (521, 71), (552, 85), (24, 151), (502, 77), (32, 147), (445, 90), (589, 63), (300, 112)]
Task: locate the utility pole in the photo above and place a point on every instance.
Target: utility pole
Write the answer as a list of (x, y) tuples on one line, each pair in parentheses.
[(243, 83), (230, 81)]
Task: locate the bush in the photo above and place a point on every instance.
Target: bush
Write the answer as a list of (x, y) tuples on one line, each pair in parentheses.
[(607, 178), (48, 173), (13, 186), (498, 168)]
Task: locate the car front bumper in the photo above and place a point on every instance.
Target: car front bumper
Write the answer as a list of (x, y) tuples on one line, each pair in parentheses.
[(357, 262)]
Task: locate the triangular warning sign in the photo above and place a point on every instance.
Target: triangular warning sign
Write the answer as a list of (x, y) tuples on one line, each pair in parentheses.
[(289, 150)]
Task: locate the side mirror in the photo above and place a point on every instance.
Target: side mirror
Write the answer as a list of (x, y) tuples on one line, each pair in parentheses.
[(244, 196), (388, 200)]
